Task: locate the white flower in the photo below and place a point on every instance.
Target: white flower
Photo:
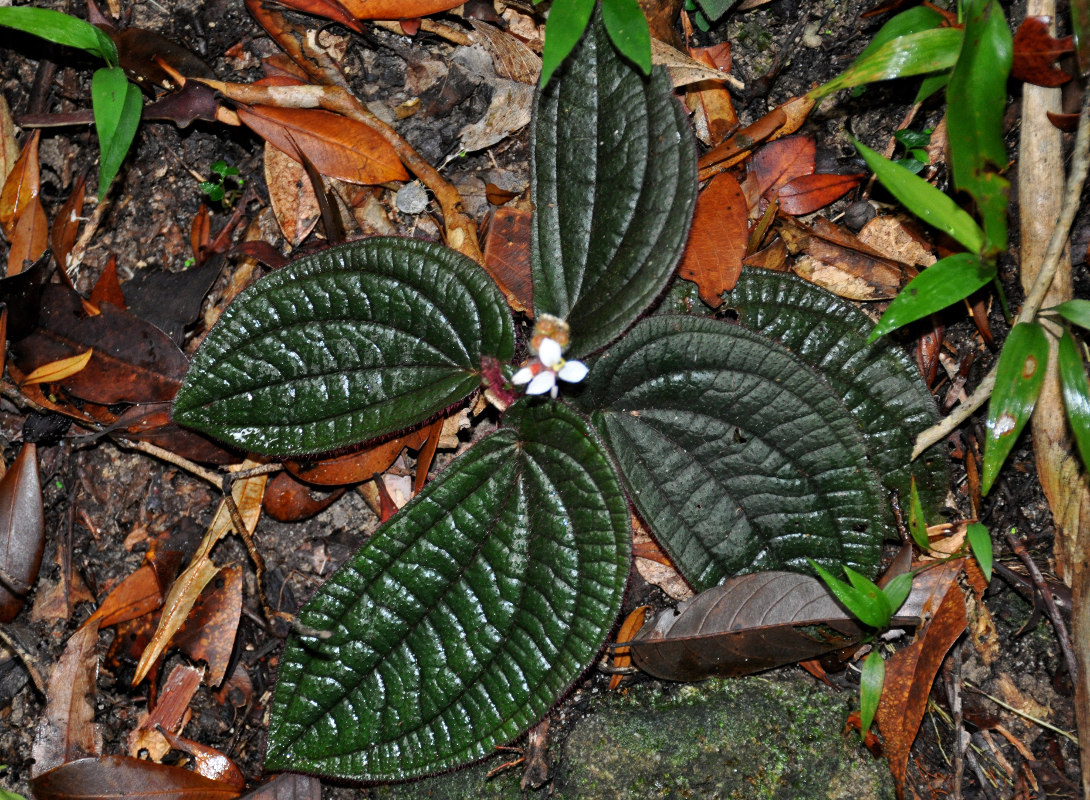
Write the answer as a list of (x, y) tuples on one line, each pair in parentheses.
[(541, 373)]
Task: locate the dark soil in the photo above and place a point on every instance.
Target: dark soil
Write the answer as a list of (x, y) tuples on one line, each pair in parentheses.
[(100, 495)]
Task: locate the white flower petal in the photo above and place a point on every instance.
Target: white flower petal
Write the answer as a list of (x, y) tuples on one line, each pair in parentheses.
[(524, 375), (548, 352), (543, 382), (572, 371)]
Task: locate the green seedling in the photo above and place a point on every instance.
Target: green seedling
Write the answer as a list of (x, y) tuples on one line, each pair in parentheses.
[(116, 101), (225, 186)]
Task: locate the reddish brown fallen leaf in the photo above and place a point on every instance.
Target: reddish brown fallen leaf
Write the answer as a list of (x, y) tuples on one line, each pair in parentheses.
[(329, 9), (108, 287), (287, 787), (22, 530), (208, 761), (62, 236), (427, 453), (1065, 122), (137, 594), (67, 729), (133, 361), (397, 9), (291, 195), (773, 257), (497, 196), (358, 466), (733, 150), (778, 163), (717, 240), (338, 146), (507, 256), (715, 106), (622, 657), (169, 714), (118, 776), (200, 232), (29, 238), (21, 186), (807, 194), (291, 500), (1035, 52), (836, 260), (209, 632), (912, 670)]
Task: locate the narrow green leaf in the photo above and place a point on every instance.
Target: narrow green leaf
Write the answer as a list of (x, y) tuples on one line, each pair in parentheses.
[(712, 10), (913, 54), (627, 28), (873, 593), (566, 23), (897, 591), (877, 382), (871, 679), (980, 542), (1077, 312), (857, 603), (931, 84), (924, 200), (613, 185), (1076, 393), (940, 285), (976, 101), (462, 620), (62, 29), (1018, 380), (739, 456), (917, 522), (914, 20), (345, 345), (117, 105)]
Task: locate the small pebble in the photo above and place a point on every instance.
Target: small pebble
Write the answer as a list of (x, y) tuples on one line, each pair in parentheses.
[(858, 214), (411, 198)]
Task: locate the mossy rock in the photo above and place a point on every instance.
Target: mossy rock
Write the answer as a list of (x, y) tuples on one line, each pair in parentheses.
[(760, 737)]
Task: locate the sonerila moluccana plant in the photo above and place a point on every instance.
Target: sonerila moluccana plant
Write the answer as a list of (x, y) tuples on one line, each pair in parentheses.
[(744, 447)]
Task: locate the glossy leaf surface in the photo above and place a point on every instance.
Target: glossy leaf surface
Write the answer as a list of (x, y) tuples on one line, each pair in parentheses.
[(60, 28), (940, 285), (870, 689), (980, 542), (346, 345), (562, 32), (464, 618), (878, 382), (1076, 393), (117, 107), (1018, 380), (739, 456), (614, 185), (1077, 312)]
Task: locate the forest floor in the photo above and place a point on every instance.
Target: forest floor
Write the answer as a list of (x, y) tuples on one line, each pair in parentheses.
[(106, 503)]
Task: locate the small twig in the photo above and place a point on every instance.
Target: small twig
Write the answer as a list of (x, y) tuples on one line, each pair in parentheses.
[(173, 458), (1080, 165), (26, 658), (1048, 726), (1058, 624), (271, 616), (961, 737)]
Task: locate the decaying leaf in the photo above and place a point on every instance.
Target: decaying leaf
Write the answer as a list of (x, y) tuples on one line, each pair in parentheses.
[(118, 776), (715, 116), (58, 370), (290, 194), (357, 466), (911, 671), (621, 656), (511, 57), (717, 239), (208, 761), (22, 530), (62, 236), (29, 236), (9, 148), (209, 632), (778, 163), (808, 193), (1036, 51), (396, 9), (67, 729), (108, 287), (287, 786), (338, 146), (290, 500), (507, 256), (508, 112), (21, 185), (169, 713)]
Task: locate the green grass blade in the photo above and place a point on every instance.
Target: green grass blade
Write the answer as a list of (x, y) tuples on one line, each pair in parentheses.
[(117, 106), (1019, 376), (917, 524), (924, 200), (62, 29), (865, 609), (870, 689), (980, 542), (1076, 394), (943, 283)]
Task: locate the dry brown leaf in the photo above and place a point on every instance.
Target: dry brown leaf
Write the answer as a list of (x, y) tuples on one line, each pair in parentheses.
[(170, 713), (508, 112), (289, 500), (507, 256), (9, 148), (338, 146), (717, 240), (511, 57), (356, 466), (654, 571), (397, 9), (22, 530), (58, 370), (137, 594), (209, 633), (29, 238), (67, 729), (108, 288), (892, 237), (188, 586), (809, 193), (118, 776), (685, 70), (290, 195), (21, 185), (63, 234), (715, 116)]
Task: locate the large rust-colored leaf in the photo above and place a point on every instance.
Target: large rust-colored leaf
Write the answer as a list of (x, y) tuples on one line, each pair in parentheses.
[(21, 186), (778, 163), (397, 9), (22, 530), (288, 499), (338, 146), (756, 622), (29, 236), (1036, 51), (807, 193), (507, 256), (133, 361), (717, 239), (137, 594), (118, 776), (108, 287), (66, 731), (911, 671)]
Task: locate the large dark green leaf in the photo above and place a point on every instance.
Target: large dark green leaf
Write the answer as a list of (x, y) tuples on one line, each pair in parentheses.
[(346, 345), (878, 382), (739, 456), (463, 619), (614, 185)]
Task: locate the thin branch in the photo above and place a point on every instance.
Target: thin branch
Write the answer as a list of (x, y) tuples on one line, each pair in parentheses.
[(1080, 165), (1023, 714)]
